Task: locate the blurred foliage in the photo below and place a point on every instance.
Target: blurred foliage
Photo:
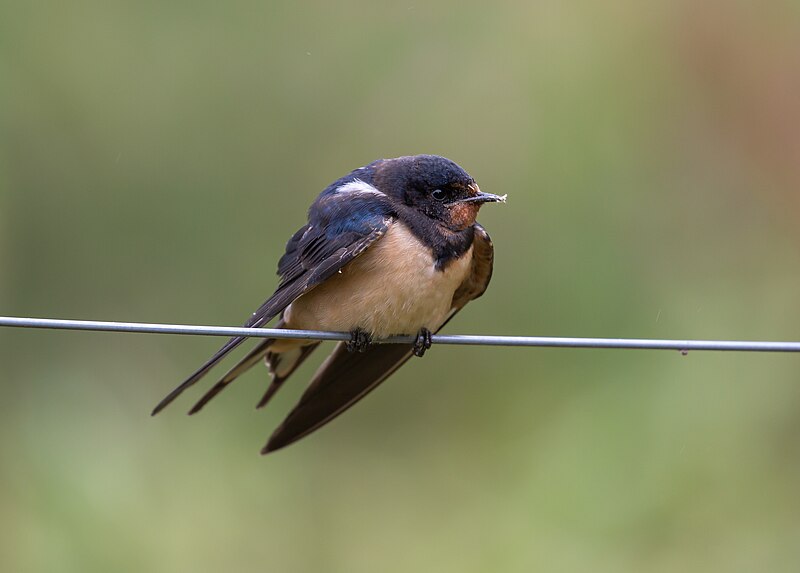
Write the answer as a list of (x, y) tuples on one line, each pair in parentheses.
[(154, 158)]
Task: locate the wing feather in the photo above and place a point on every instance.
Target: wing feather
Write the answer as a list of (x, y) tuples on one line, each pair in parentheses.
[(316, 252)]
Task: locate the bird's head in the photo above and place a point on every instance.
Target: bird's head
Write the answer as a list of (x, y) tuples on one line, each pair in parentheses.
[(434, 186)]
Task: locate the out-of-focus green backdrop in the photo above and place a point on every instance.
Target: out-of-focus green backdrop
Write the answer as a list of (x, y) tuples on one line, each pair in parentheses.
[(155, 157)]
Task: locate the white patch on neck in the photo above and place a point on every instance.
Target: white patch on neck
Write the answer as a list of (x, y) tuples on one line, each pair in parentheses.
[(359, 187)]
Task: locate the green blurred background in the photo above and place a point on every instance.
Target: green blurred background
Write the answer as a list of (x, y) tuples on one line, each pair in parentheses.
[(155, 157)]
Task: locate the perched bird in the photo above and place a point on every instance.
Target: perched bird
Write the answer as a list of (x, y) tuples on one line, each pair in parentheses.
[(390, 249)]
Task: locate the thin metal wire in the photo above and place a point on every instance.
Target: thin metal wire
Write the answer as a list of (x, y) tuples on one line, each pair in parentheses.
[(474, 340)]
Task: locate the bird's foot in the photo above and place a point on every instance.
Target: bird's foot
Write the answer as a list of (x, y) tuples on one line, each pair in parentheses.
[(422, 342), (359, 341)]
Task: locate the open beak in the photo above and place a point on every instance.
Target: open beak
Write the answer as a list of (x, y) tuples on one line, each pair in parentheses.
[(482, 197)]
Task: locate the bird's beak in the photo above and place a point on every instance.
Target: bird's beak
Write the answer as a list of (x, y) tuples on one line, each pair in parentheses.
[(482, 197)]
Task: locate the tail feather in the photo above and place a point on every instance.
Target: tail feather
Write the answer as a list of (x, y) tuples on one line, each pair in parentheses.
[(281, 366), (252, 358), (199, 373)]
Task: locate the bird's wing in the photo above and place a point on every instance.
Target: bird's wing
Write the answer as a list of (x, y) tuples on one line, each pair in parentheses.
[(316, 252), (346, 377), (477, 281)]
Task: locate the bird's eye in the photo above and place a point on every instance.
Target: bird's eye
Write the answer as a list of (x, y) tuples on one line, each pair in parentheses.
[(439, 195)]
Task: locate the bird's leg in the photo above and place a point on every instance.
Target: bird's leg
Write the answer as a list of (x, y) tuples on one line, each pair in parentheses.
[(422, 342), (359, 341)]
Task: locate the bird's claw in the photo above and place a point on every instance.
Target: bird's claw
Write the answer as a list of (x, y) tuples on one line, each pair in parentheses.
[(359, 341), (422, 342)]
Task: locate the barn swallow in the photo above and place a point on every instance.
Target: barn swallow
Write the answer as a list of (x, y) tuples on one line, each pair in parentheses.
[(390, 249)]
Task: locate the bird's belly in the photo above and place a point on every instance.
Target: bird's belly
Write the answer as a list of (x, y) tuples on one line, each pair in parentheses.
[(392, 288)]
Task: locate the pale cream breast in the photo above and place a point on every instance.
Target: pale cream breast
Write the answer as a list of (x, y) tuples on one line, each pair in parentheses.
[(392, 288)]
